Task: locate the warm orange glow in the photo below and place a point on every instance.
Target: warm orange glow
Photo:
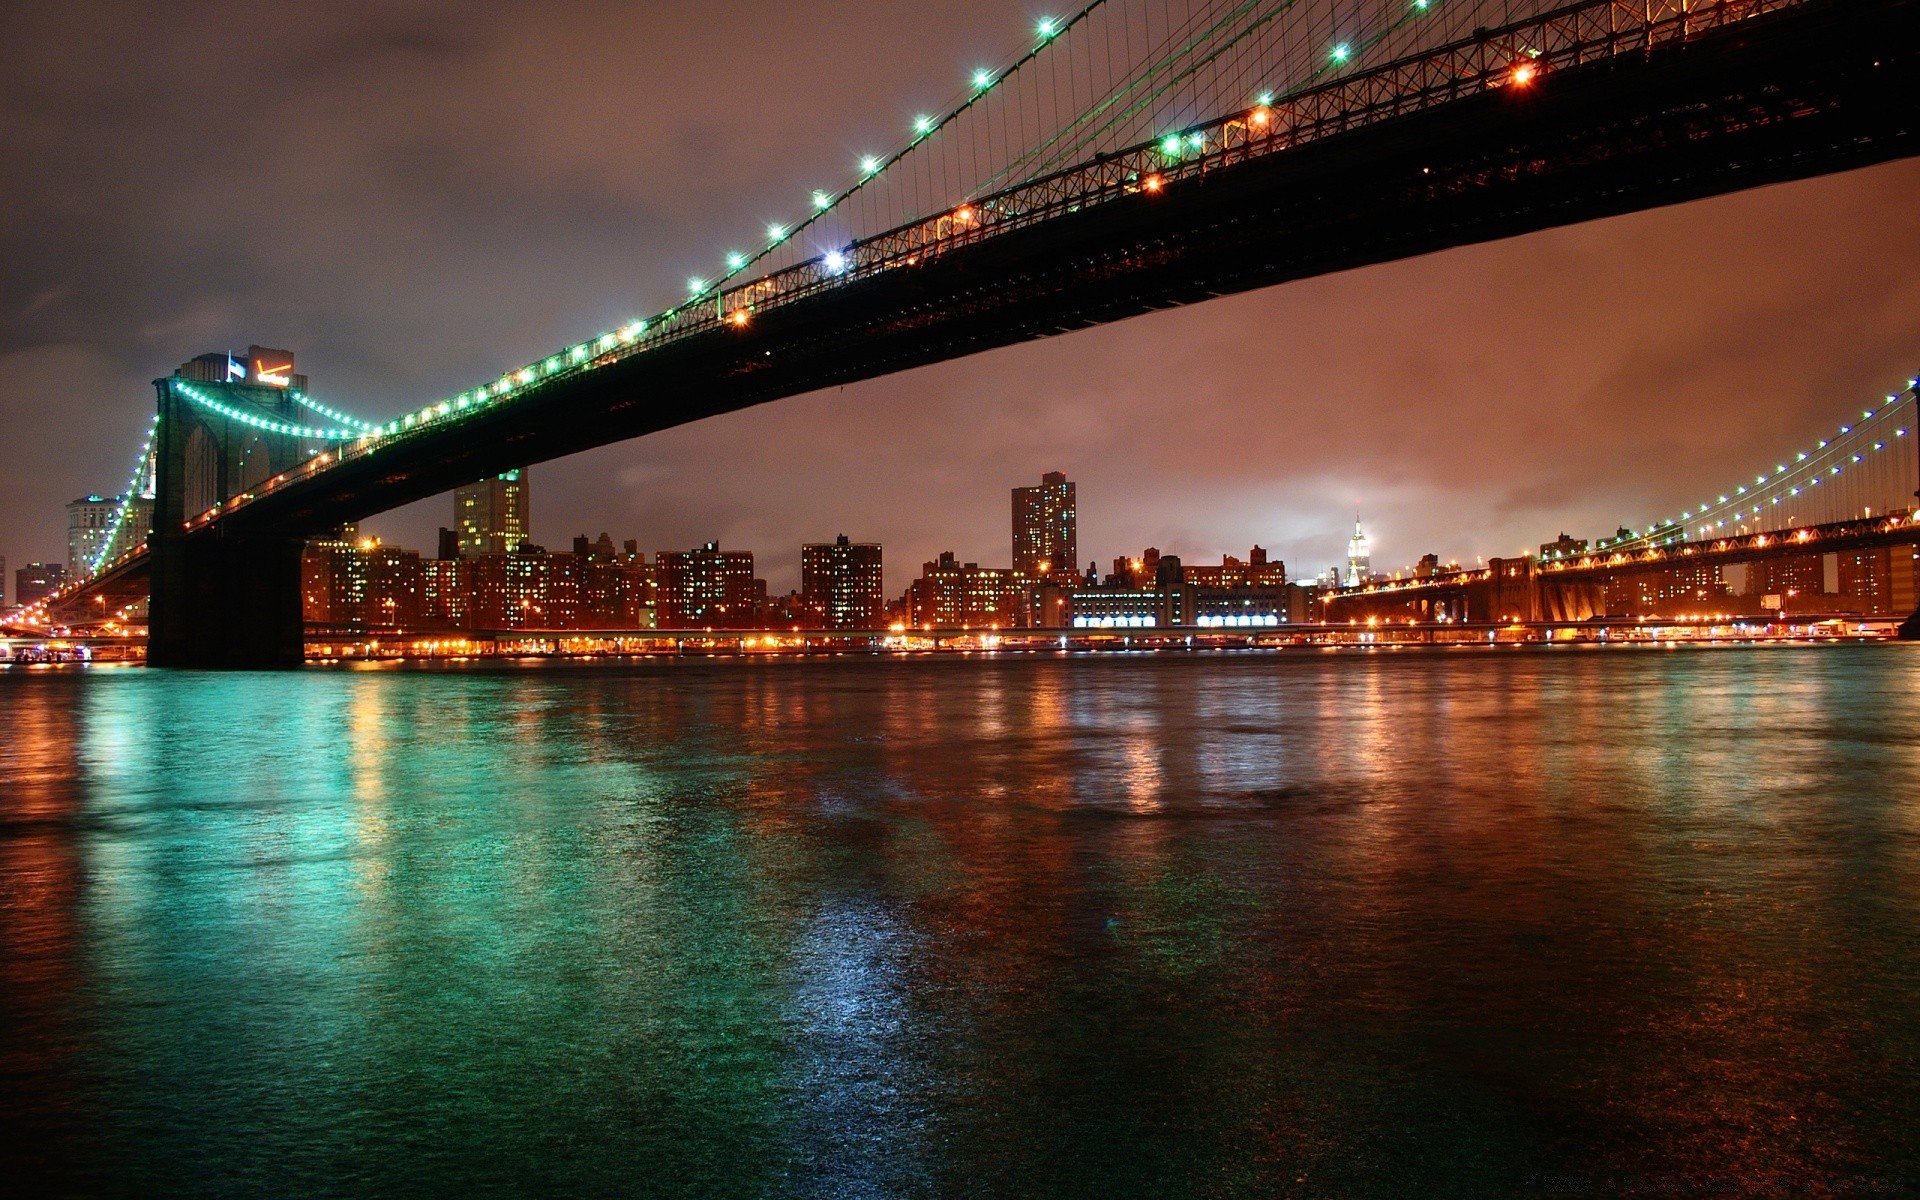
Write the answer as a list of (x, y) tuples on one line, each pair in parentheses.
[(964, 216), (1151, 183), (739, 318), (1523, 74), (1261, 116)]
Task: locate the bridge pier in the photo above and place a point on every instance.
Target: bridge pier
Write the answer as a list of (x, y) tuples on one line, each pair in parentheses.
[(226, 603)]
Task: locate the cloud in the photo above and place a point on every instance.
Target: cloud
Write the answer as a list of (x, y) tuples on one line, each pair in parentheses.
[(415, 196)]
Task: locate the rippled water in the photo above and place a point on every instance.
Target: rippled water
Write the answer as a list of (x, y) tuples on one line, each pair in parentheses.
[(1483, 923)]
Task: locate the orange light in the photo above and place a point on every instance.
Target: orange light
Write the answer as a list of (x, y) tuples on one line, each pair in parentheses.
[(1262, 115), (964, 216), (1152, 183), (739, 318), (1523, 74)]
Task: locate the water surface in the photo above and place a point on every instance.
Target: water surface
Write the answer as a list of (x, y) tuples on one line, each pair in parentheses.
[(1469, 923)]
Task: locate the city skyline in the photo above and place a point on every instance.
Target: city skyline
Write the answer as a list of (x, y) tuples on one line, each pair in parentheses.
[(1626, 337)]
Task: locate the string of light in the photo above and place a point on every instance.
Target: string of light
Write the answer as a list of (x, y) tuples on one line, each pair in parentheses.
[(1853, 445), (258, 422), (126, 500)]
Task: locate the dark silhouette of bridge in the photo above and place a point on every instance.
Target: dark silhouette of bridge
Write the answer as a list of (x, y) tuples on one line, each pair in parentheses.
[(1393, 144)]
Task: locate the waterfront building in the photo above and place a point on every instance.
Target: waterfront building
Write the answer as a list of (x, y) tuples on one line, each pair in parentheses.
[(1240, 607), (1256, 571), (32, 582), (1798, 575), (841, 581), (1666, 591), (333, 581), (444, 601), (493, 516), (1877, 582), (394, 580), (1045, 527), (951, 594), (1359, 559), (709, 588), (1116, 604)]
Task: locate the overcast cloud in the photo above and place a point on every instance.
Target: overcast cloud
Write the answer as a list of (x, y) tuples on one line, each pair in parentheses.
[(415, 196)]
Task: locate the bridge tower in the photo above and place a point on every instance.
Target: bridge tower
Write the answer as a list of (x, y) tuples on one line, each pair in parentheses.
[(220, 600)]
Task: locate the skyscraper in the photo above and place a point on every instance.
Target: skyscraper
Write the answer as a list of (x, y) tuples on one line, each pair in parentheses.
[(1045, 527), (709, 588), (1359, 561), (493, 515), (840, 580)]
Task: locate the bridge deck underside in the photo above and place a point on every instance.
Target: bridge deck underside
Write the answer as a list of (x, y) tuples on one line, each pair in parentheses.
[(1812, 90)]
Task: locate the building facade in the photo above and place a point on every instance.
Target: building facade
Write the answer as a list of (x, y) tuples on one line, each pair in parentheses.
[(33, 582), (1879, 582), (709, 588), (1800, 575), (1045, 527), (494, 515), (952, 594), (841, 581)]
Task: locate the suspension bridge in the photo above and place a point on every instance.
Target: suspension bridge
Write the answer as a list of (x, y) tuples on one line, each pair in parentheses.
[(1133, 155)]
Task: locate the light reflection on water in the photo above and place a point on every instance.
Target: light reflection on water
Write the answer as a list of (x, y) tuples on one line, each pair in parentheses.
[(1450, 924)]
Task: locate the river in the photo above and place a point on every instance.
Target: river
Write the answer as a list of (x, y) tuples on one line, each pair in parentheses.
[(1521, 922)]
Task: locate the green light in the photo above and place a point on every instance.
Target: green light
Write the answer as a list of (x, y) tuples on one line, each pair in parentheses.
[(923, 124), (1171, 146), (869, 165), (822, 200), (696, 286), (776, 233), (1265, 98), (1047, 27), (1342, 52), (982, 78), (736, 261), (1420, 4)]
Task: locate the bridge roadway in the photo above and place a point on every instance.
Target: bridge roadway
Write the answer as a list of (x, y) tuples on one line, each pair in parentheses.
[(1820, 86), (1529, 589)]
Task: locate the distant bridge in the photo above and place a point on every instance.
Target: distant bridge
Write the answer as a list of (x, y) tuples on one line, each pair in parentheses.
[(1229, 147)]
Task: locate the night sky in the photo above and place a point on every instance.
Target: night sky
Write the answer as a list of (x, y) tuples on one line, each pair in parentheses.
[(414, 197)]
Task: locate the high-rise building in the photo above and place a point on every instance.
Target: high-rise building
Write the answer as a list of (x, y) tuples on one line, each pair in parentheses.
[(709, 588), (89, 524), (950, 594), (1665, 591), (494, 515), (333, 580), (3, 582), (1359, 560), (97, 532), (1878, 582), (841, 582), (394, 583), (32, 582), (1045, 527), (1798, 575)]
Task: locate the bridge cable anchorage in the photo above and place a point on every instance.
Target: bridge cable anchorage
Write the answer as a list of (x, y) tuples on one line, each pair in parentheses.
[(1869, 467), (1115, 101)]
